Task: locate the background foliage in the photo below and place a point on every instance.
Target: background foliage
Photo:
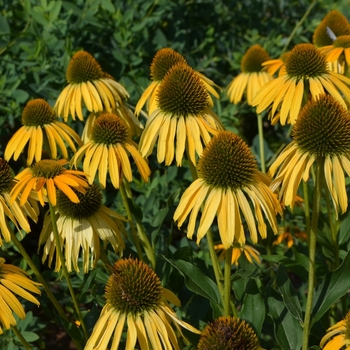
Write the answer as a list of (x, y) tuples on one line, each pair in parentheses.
[(37, 40)]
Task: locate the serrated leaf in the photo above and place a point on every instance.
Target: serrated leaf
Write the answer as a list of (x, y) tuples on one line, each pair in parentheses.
[(196, 281), (333, 286), (289, 294)]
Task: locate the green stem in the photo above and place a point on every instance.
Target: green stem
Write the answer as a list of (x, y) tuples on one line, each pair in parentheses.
[(312, 251), (298, 26), (131, 222), (307, 207), (21, 338), (65, 271), (146, 244), (261, 143), (38, 275), (227, 281)]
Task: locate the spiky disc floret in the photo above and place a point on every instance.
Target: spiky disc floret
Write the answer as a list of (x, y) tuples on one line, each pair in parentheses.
[(133, 287), (47, 168), (109, 129), (228, 333), (253, 59), (342, 41), (336, 22), (37, 113), (163, 60), (182, 92), (323, 128), (227, 162), (5, 176), (82, 68), (89, 204), (305, 61)]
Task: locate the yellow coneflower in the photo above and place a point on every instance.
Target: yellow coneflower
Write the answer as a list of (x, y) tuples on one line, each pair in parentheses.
[(163, 60), (14, 280), (276, 65), (107, 151), (80, 228), (136, 299), (336, 22), (250, 253), (337, 337), (88, 84), (252, 78), (322, 132), (43, 177), (227, 177), (306, 72), (339, 53), (288, 235), (13, 211), (182, 113), (41, 128), (229, 333)]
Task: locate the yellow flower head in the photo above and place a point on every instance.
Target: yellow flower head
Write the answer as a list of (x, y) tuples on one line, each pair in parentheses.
[(276, 65), (250, 253), (41, 129), (88, 84), (322, 132), (14, 280), (338, 336), (228, 177), (182, 113), (108, 150), (135, 298), (336, 22), (228, 333), (44, 177), (288, 235), (13, 211), (306, 72), (252, 78), (162, 62), (80, 228)]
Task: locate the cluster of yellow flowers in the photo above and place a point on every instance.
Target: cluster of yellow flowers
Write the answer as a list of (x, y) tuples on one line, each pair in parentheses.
[(311, 93)]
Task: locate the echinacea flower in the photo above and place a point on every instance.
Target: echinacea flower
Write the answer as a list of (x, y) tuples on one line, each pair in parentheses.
[(337, 337), (321, 133), (289, 235), (339, 53), (249, 252), (306, 72), (80, 228), (182, 117), (276, 65), (228, 177), (88, 84), (252, 78), (44, 177), (336, 22), (136, 299), (228, 333), (108, 151), (14, 280), (13, 211), (163, 60), (41, 128)]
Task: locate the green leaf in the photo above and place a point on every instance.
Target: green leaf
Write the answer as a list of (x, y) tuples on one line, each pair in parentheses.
[(159, 217), (56, 9), (289, 294), (333, 286), (253, 310), (88, 282), (288, 331), (160, 39), (108, 6), (30, 336), (196, 281), (344, 232)]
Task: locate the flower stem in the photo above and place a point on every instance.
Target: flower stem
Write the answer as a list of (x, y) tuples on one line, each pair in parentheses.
[(312, 251), (227, 281), (65, 271), (146, 244), (38, 275), (261, 143), (21, 338), (307, 207), (131, 222)]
